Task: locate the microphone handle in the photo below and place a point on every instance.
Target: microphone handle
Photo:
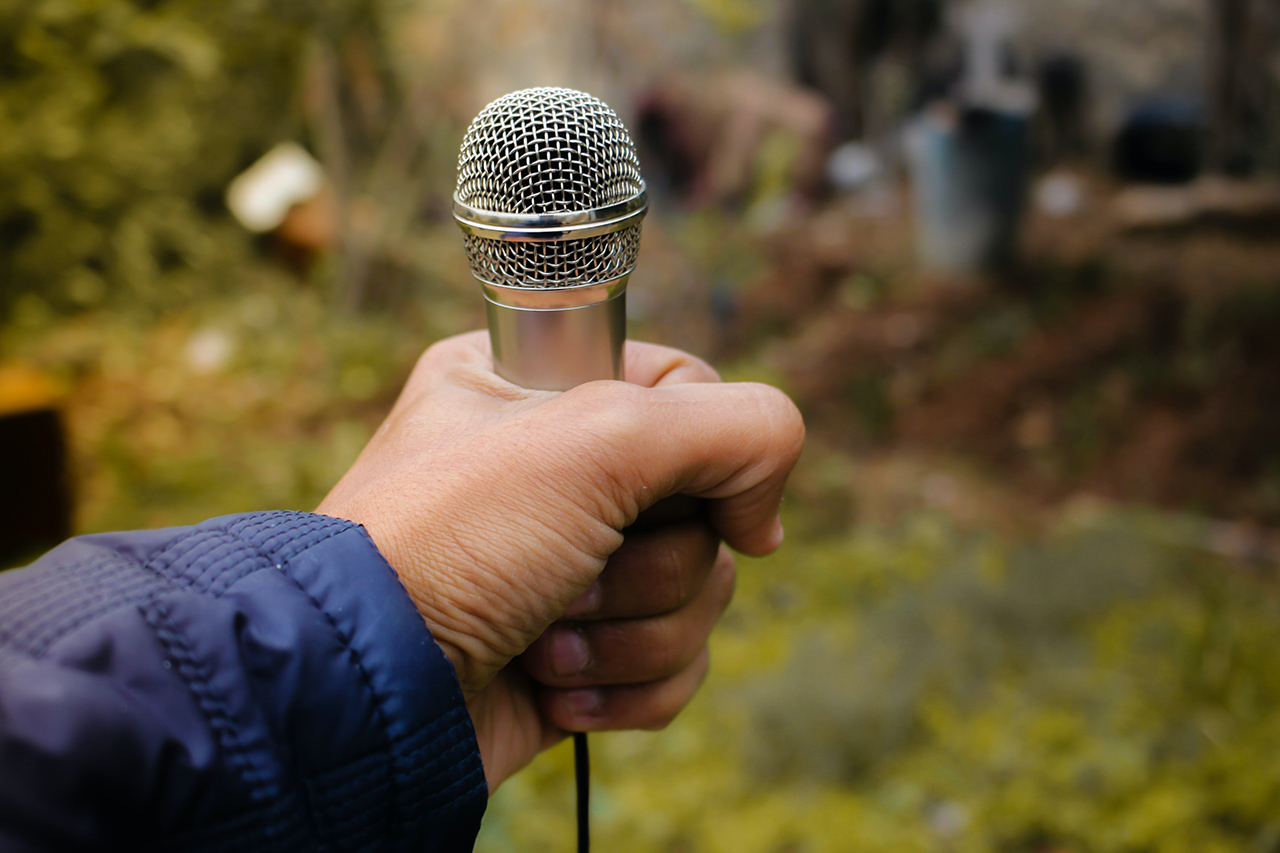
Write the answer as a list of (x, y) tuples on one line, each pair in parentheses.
[(553, 339), (542, 340)]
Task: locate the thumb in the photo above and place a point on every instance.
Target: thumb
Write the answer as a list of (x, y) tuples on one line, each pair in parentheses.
[(733, 444)]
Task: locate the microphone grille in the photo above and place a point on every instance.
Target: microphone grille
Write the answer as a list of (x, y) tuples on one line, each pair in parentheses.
[(547, 150)]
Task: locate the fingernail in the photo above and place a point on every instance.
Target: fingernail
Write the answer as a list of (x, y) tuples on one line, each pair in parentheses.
[(588, 602), (584, 703), (569, 652), (778, 533)]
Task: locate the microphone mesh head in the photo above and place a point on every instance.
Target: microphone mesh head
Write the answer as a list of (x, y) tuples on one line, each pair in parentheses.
[(546, 151)]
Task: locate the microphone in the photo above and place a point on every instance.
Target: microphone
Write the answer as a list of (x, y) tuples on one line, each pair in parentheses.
[(550, 200)]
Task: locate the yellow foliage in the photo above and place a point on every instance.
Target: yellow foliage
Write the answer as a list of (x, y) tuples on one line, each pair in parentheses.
[(23, 389), (734, 16)]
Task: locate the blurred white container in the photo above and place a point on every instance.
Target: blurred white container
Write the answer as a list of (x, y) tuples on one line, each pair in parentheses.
[(969, 172)]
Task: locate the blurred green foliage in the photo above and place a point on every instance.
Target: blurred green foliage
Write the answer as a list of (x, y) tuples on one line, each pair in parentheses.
[(924, 689), (123, 121), (256, 398)]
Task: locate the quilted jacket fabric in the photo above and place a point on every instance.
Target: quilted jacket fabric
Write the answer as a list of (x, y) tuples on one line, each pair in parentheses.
[(257, 682)]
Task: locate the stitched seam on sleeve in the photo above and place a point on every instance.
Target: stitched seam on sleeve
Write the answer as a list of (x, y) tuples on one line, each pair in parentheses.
[(43, 616), (86, 618), (414, 741), (415, 776), (276, 826), (347, 817), (263, 531), (443, 800), (219, 574), (222, 573), (193, 672), (441, 765), (379, 712), (450, 721), (219, 584)]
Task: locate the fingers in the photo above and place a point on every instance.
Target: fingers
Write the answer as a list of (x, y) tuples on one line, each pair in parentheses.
[(462, 364), (631, 651), (651, 365), (634, 706), (655, 571), (668, 510), (734, 443), (643, 363), (468, 360)]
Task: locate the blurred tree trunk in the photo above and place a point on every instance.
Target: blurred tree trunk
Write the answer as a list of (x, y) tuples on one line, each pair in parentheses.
[(835, 45), (331, 130), (371, 138), (1236, 72)]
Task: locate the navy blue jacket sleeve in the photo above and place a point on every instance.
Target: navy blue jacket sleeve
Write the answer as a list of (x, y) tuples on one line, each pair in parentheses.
[(257, 682)]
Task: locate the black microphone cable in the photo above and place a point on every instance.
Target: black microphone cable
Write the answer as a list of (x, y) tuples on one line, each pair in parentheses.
[(582, 777)]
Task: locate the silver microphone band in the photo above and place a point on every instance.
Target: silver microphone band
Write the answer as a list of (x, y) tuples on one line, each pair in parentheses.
[(551, 226), (554, 338), (555, 349)]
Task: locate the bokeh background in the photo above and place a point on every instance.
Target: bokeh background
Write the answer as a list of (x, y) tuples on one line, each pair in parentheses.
[(1017, 264)]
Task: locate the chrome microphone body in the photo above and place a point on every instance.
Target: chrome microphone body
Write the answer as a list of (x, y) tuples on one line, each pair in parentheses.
[(550, 201)]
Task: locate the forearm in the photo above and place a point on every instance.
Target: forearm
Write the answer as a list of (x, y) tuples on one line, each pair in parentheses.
[(257, 682)]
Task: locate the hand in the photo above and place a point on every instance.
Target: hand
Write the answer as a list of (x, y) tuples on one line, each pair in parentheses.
[(502, 509)]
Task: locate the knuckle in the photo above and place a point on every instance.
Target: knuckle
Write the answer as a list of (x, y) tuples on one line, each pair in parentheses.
[(670, 365), (666, 657), (595, 428), (660, 720), (666, 704), (447, 350), (673, 583), (699, 370), (431, 356), (605, 409), (785, 423)]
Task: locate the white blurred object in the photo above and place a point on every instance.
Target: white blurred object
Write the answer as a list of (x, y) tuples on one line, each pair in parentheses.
[(1058, 194), (969, 172), (853, 166), (209, 350), (263, 194), (990, 30)]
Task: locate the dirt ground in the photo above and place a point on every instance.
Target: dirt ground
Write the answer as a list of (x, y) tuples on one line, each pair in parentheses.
[(1127, 364)]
